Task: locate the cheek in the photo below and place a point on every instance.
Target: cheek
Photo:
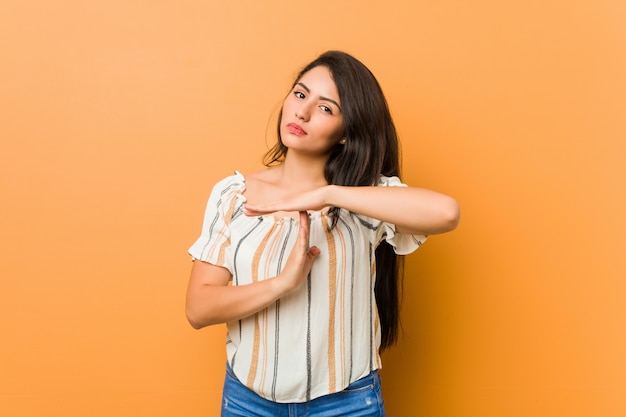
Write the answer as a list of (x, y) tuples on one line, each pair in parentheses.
[(287, 106), (336, 132)]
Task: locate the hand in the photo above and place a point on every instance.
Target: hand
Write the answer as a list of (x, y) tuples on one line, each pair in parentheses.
[(300, 259), (310, 200)]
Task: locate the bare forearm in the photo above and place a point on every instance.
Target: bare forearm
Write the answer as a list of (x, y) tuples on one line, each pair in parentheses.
[(412, 210), (214, 304), (210, 300)]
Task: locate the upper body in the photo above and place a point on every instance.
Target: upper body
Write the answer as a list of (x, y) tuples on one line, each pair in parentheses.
[(299, 240), (322, 335)]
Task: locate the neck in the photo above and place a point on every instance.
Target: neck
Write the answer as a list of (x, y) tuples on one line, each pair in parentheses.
[(302, 171)]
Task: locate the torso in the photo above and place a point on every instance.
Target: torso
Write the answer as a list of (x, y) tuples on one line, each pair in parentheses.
[(322, 336)]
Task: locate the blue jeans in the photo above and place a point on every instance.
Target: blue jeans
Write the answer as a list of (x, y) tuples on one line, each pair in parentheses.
[(361, 398)]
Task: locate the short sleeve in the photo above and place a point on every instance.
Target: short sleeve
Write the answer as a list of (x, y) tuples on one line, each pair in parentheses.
[(214, 241), (403, 244)]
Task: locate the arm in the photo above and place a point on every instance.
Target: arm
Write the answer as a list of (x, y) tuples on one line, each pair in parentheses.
[(210, 300), (412, 210)]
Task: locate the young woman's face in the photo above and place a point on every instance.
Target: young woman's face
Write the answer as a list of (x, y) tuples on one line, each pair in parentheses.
[(312, 121)]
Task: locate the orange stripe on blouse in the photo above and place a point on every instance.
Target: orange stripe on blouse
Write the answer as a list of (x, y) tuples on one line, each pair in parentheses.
[(332, 298), (254, 362), (272, 254), (229, 214), (344, 302)]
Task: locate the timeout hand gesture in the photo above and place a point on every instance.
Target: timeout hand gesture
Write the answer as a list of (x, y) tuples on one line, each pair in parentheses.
[(300, 259), (313, 200)]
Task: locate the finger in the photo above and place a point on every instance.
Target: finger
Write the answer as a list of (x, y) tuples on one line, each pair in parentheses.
[(305, 226), (314, 251), (251, 210), (311, 254)]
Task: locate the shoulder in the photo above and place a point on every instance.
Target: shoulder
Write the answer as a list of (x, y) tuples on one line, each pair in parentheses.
[(392, 181), (234, 183), (264, 176), (262, 185)]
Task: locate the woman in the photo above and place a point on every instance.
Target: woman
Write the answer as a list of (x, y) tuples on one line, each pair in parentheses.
[(310, 246)]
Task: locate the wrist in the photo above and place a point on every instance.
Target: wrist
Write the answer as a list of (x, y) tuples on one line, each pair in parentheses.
[(330, 194), (279, 285)]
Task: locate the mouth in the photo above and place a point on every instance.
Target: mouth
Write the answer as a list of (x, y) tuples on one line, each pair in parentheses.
[(295, 129)]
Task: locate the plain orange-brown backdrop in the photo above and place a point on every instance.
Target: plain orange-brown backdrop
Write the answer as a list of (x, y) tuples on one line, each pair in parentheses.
[(116, 118)]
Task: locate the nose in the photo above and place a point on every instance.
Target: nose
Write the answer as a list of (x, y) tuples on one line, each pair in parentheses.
[(303, 112)]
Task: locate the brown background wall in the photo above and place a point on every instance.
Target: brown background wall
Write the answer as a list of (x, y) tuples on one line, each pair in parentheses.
[(117, 117)]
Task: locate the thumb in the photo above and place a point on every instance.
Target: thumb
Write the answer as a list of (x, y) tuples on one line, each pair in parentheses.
[(314, 251), (311, 253)]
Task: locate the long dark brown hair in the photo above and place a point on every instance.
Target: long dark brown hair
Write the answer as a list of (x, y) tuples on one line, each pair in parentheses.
[(371, 149)]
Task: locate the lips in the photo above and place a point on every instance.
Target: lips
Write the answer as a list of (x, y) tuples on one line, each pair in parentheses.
[(295, 129)]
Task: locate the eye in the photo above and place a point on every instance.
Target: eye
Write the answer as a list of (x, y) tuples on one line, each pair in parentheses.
[(299, 94), (326, 109)]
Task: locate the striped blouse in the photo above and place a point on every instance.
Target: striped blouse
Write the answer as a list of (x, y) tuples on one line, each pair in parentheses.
[(324, 335)]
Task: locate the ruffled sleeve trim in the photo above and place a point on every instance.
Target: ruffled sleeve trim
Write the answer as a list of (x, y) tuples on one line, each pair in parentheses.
[(403, 244), (214, 242)]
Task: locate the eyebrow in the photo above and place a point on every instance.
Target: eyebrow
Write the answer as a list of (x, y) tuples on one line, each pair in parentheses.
[(321, 97)]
